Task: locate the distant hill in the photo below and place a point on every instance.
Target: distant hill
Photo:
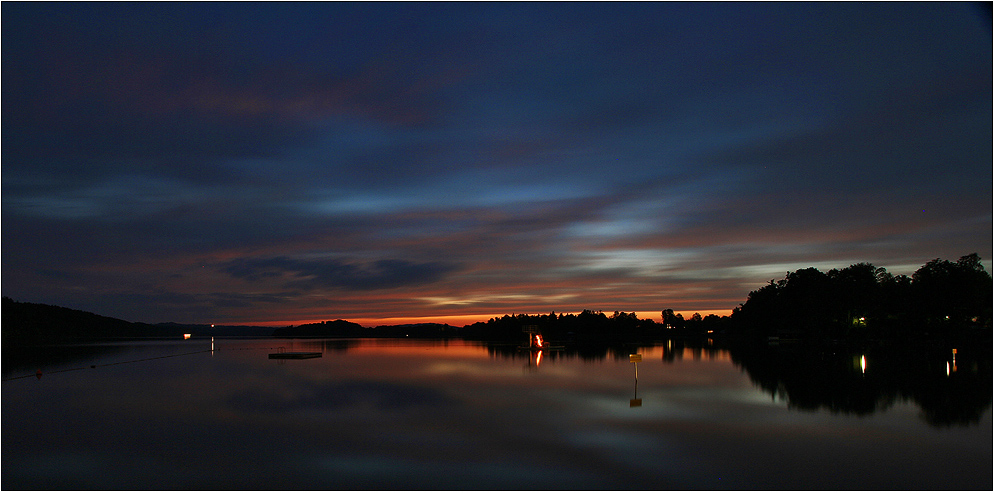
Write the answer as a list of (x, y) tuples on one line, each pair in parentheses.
[(422, 330), (344, 328), (35, 323), (32, 324), (174, 329), (334, 328)]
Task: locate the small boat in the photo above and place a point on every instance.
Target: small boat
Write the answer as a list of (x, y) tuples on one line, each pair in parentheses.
[(294, 355)]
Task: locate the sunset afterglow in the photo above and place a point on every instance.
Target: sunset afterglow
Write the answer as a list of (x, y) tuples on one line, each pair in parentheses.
[(278, 164)]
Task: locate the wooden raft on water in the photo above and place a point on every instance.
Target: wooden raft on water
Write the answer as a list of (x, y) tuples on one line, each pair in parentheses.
[(294, 355)]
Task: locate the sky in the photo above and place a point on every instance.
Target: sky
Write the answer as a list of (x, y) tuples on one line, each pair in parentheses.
[(282, 163)]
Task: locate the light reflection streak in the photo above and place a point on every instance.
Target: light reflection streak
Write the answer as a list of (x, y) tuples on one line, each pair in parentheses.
[(697, 354), (342, 396)]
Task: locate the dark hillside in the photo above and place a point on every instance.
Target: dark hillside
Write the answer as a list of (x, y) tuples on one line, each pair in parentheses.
[(35, 323), (172, 329), (333, 328)]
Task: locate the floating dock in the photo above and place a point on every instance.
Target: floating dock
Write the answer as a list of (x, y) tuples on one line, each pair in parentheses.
[(294, 355)]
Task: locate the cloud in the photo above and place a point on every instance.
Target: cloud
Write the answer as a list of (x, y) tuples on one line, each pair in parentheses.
[(307, 274), (287, 163)]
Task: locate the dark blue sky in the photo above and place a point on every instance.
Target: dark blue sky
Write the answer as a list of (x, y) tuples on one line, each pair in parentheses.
[(272, 162)]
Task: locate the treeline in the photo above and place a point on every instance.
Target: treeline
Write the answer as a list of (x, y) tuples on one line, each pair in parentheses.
[(587, 326), (346, 329), (942, 298)]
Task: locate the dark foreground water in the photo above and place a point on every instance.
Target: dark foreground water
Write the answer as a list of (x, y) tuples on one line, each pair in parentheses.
[(397, 414)]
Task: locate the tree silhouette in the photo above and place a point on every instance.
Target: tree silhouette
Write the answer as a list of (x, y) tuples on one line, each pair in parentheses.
[(864, 301), (671, 320), (948, 292)]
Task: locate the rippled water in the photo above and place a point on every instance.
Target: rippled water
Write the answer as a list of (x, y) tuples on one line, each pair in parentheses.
[(397, 414)]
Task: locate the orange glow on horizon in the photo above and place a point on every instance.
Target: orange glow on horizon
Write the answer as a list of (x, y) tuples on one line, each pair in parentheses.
[(461, 320), (687, 314), (455, 320)]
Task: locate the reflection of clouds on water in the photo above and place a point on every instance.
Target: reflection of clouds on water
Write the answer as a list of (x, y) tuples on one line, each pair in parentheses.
[(658, 453), (615, 440), (424, 419), (487, 369), (469, 368), (656, 407), (426, 472), (81, 467), (100, 470), (707, 401), (337, 396)]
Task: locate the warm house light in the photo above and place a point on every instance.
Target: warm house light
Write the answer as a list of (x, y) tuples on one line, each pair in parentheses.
[(187, 336)]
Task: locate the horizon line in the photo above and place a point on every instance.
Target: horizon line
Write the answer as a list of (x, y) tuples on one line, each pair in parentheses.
[(462, 320)]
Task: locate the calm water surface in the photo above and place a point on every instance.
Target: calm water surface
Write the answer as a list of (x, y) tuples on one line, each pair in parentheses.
[(397, 414)]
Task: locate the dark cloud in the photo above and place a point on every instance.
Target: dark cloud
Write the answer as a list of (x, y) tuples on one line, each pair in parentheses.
[(339, 273), (278, 162)]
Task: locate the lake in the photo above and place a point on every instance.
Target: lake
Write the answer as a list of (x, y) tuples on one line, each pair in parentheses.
[(404, 414)]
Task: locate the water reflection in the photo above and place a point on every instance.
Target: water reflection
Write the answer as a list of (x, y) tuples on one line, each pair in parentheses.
[(396, 414), (950, 386), (635, 401), (862, 381), (24, 360)]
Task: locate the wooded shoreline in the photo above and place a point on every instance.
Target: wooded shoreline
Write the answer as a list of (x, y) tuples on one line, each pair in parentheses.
[(860, 303)]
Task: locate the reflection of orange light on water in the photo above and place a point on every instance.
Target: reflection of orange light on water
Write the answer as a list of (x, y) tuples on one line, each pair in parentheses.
[(374, 347), (863, 364), (538, 358), (186, 336)]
